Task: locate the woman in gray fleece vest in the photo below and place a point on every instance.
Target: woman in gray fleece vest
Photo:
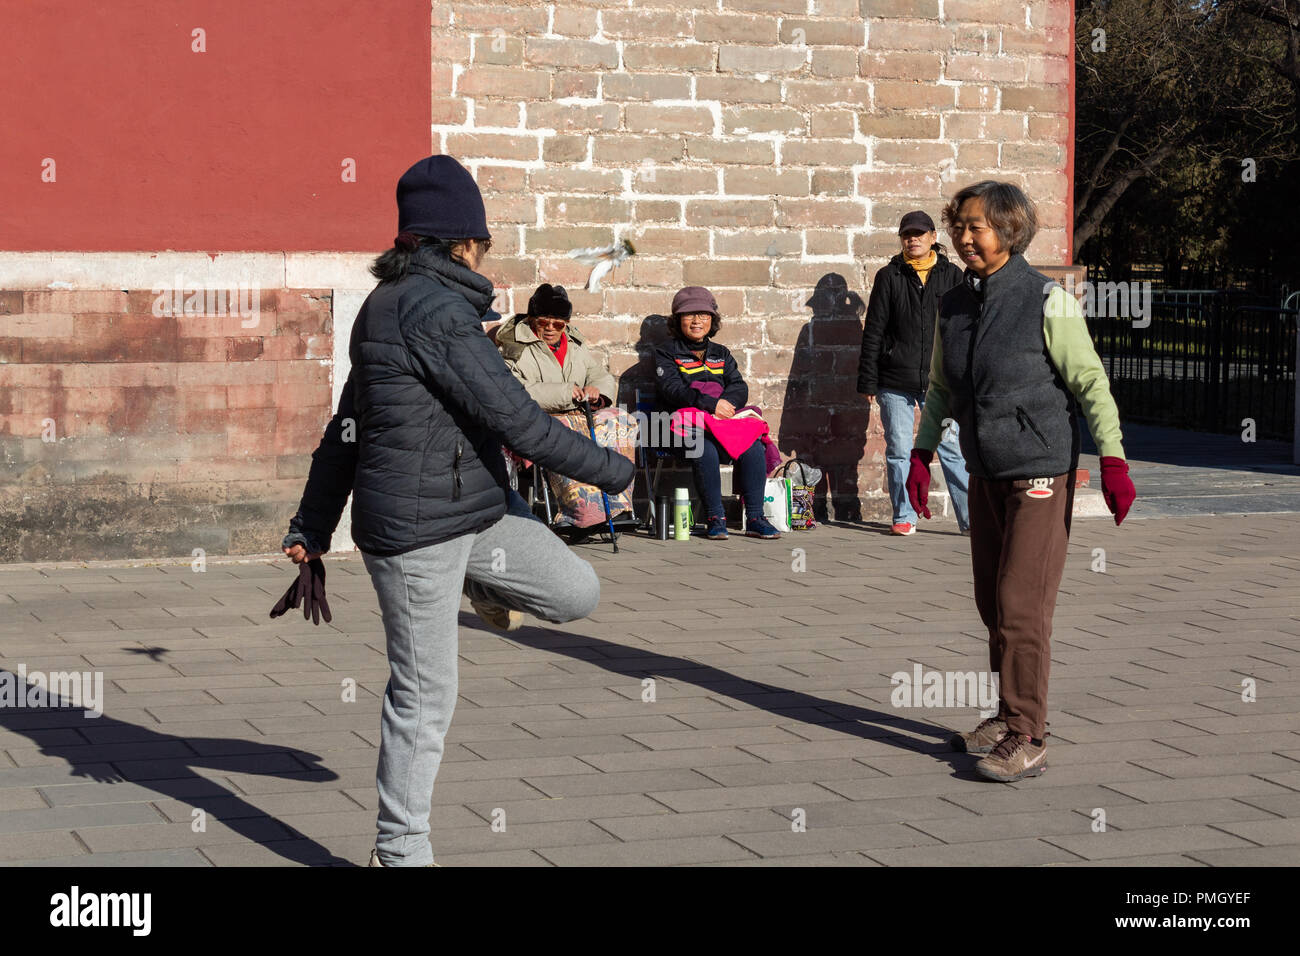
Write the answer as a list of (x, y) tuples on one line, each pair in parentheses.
[(1014, 365)]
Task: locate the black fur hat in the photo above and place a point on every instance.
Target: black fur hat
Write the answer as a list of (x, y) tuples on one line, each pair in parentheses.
[(550, 300)]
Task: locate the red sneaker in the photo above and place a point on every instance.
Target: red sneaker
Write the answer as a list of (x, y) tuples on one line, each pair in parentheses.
[(903, 527)]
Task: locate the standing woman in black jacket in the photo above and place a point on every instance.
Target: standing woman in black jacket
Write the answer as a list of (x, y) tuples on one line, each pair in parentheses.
[(417, 443), (895, 366)]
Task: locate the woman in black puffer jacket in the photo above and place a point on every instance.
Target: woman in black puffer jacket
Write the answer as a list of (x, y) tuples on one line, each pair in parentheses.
[(417, 442)]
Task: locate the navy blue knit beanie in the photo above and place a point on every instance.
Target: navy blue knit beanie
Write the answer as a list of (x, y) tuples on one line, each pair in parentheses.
[(438, 197)]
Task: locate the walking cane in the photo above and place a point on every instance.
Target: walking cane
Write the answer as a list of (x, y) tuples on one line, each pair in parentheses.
[(591, 427)]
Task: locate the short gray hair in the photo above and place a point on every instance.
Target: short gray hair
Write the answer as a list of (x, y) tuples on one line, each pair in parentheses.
[(1009, 211)]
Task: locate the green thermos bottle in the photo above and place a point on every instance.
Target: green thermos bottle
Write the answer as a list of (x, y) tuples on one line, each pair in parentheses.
[(681, 515)]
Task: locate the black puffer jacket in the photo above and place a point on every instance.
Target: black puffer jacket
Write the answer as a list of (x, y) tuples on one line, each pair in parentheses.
[(899, 334), (431, 401)]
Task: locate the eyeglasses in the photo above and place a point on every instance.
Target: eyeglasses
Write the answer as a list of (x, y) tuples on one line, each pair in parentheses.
[(550, 323), (484, 245)]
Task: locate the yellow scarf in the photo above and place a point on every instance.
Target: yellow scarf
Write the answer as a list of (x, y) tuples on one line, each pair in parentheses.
[(922, 265)]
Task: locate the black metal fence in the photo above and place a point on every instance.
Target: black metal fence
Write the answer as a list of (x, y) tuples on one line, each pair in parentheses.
[(1204, 359)]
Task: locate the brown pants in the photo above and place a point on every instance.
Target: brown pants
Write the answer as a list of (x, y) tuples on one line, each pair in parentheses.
[(1018, 540)]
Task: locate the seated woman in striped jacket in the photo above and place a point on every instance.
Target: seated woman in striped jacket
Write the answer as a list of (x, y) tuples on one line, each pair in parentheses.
[(697, 378)]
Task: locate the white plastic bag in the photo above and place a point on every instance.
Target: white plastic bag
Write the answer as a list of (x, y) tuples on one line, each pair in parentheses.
[(776, 505)]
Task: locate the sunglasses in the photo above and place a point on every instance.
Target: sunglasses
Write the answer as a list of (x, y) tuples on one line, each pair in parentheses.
[(550, 323)]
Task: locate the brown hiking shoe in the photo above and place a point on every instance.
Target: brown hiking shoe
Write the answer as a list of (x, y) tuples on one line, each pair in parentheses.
[(1013, 758), (980, 740), (496, 616)]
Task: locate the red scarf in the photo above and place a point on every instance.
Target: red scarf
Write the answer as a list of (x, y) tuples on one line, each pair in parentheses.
[(560, 349)]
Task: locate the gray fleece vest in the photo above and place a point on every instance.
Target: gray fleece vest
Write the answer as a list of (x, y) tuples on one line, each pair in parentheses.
[(1016, 417)]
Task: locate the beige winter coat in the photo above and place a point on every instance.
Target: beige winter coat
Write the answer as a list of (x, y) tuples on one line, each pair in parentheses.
[(533, 363)]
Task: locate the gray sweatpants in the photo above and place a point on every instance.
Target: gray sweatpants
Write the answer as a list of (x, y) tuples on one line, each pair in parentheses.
[(518, 563)]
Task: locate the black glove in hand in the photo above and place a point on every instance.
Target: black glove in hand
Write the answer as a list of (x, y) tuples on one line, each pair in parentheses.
[(308, 589)]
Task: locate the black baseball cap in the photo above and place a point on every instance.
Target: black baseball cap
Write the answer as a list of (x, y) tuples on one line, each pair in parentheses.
[(918, 221)]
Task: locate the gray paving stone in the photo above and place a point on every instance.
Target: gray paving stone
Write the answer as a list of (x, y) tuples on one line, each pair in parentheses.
[(68, 818), (1204, 788), (554, 746), (1024, 797), (790, 771), (648, 723), (636, 781), (674, 852), (167, 836), (1179, 812), (1288, 778), (1205, 745), (1283, 804), (14, 798), (819, 840), (848, 859), (134, 858), (503, 858), (1264, 832), (1018, 852), (520, 836), (971, 828), (84, 794), (1170, 731), (592, 808), (1157, 859), (51, 775), (783, 796), (1116, 844), (667, 825), (35, 845), (273, 853), (731, 736), (479, 769), (1249, 856), (1219, 765)]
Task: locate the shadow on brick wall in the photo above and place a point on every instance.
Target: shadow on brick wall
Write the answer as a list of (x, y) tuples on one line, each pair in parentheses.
[(652, 334), (823, 420)]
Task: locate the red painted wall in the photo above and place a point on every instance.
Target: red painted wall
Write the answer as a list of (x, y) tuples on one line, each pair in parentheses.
[(238, 148)]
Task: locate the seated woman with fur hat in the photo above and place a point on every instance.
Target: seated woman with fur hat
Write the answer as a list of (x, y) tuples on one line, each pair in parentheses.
[(547, 355)]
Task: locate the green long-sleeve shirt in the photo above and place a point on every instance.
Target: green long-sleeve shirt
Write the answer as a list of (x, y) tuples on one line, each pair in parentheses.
[(1070, 347)]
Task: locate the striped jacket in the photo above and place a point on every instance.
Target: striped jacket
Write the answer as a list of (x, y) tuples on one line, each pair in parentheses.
[(677, 368)]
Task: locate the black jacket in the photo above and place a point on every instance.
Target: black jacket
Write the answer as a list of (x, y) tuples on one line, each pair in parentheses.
[(428, 402), (898, 337), (676, 367)]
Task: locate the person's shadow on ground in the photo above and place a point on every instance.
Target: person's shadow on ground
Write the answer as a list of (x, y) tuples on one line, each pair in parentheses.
[(823, 419), (852, 720), (166, 765)]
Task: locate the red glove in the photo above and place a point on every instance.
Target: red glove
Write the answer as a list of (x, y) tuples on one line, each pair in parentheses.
[(918, 481), (1117, 487)]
